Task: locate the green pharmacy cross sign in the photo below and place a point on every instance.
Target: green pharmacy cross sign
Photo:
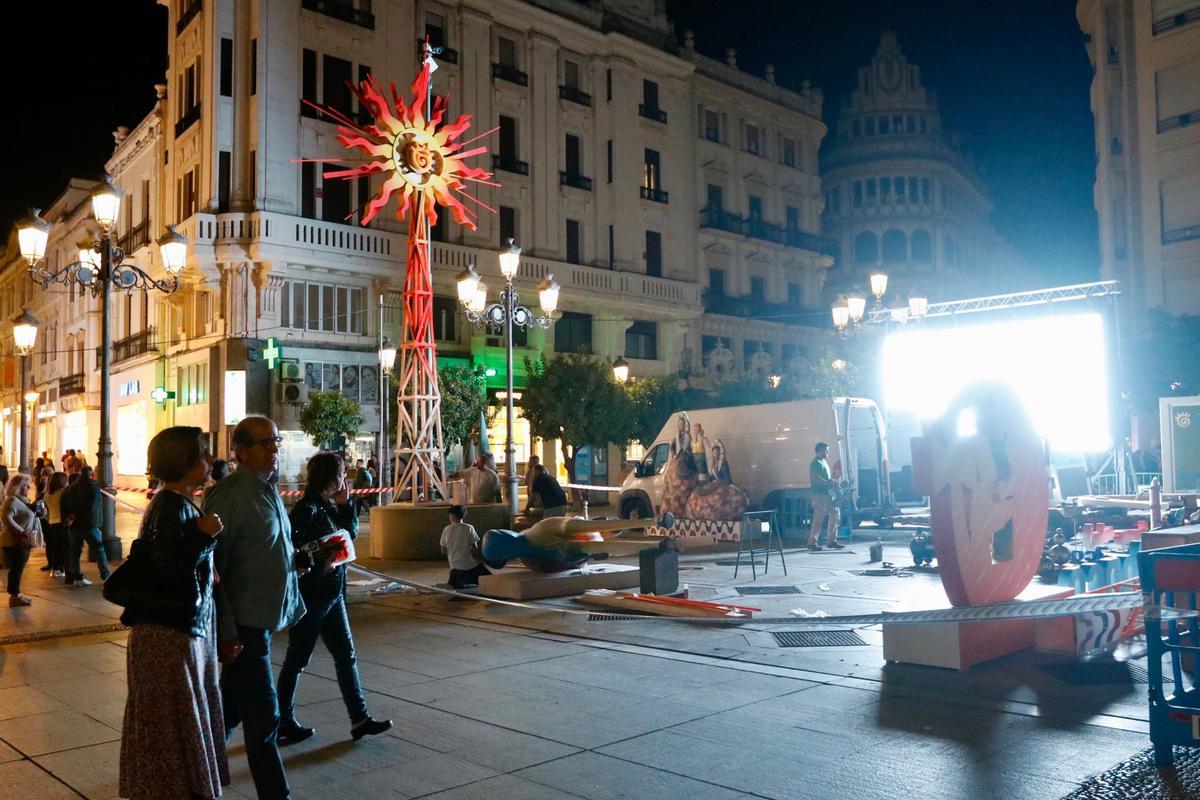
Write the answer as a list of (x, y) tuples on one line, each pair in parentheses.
[(160, 395), (271, 353)]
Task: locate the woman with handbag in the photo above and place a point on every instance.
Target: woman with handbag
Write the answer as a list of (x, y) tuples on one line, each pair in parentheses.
[(20, 532), (173, 739), (56, 526), (325, 508)]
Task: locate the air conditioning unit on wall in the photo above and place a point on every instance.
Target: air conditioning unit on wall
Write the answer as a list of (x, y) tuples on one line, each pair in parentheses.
[(289, 370), (291, 394)]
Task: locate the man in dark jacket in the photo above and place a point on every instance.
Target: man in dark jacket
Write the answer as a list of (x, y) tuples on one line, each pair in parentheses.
[(82, 510)]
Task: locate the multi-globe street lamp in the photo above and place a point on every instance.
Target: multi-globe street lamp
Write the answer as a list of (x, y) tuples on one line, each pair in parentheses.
[(506, 313), (25, 330), (101, 267), (849, 311)]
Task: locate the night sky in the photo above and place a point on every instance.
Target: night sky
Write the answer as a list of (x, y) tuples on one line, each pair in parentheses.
[(1012, 80)]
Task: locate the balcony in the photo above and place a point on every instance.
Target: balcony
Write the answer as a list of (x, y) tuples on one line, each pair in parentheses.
[(655, 195), (652, 112), (720, 219), (509, 73), (1179, 20), (575, 95), (343, 10), (138, 344), (187, 120), (448, 55), (187, 14), (135, 237), (749, 307), (810, 241), (576, 180), (757, 228), (72, 384), (509, 164)]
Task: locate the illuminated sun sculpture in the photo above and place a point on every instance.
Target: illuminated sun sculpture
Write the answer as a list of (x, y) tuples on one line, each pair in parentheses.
[(422, 159)]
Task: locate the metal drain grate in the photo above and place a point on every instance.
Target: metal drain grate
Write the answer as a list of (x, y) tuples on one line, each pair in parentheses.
[(613, 617), (818, 639), (744, 590)]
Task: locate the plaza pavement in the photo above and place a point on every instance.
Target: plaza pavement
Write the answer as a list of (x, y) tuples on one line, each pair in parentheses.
[(497, 702)]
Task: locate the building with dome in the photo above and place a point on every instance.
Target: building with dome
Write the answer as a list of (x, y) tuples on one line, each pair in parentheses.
[(899, 195)]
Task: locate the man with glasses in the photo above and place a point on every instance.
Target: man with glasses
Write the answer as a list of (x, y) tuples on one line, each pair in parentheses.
[(257, 596)]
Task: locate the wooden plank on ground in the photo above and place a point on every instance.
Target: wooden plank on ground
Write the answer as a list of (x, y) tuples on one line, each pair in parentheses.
[(617, 600)]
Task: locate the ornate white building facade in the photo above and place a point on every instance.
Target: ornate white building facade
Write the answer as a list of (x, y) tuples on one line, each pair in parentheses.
[(898, 194), (610, 144), (1146, 102)]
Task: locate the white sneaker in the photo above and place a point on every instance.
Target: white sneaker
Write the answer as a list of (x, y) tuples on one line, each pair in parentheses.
[(80, 582), (57, 573)]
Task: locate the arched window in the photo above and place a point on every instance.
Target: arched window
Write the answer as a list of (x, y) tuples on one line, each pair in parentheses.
[(866, 248), (922, 245), (895, 246)]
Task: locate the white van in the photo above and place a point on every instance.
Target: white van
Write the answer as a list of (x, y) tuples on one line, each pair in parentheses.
[(769, 448)]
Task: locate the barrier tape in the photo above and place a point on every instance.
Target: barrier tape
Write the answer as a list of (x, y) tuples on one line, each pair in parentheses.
[(1031, 609), (282, 493)]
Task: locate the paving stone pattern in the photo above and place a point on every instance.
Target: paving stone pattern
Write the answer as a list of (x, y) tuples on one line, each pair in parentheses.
[(494, 702)]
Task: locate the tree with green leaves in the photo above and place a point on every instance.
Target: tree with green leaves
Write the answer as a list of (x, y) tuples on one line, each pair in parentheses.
[(328, 415), (652, 401), (575, 398), (464, 400)]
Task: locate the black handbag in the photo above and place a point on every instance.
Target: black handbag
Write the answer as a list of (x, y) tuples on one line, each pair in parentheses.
[(131, 584)]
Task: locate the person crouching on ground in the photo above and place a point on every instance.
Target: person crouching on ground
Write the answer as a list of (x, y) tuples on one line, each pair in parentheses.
[(460, 545), (325, 508), (173, 739), (554, 499)]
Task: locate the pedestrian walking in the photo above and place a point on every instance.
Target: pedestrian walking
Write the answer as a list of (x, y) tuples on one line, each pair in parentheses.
[(56, 529), (259, 595), (325, 508), (19, 534), (173, 737), (362, 480), (82, 508)]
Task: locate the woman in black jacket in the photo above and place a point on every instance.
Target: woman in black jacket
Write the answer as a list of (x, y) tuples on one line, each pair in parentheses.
[(173, 739), (325, 508)]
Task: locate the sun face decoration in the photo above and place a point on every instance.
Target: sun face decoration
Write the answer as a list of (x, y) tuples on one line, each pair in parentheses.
[(421, 157)]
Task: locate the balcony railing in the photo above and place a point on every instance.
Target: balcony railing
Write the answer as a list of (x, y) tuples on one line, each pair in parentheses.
[(509, 164), (810, 241), (343, 10), (132, 346), (187, 120), (449, 55), (656, 195), (135, 237), (575, 95), (720, 219), (1181, 121), (511, 74), (1167, 23), (576, 180), (652, 112), (72, 384), (187, 14), (749, 307), (761, 229)]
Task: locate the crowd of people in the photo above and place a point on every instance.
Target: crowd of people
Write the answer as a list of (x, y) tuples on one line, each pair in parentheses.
[(204, 589)]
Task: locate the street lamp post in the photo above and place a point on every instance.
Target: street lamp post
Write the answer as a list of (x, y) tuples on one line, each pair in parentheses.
[(387, 361), (506, 314), (25, 329), (101, 267)]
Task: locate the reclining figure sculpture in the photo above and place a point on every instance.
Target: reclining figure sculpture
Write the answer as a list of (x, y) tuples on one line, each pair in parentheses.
[(555, 544)]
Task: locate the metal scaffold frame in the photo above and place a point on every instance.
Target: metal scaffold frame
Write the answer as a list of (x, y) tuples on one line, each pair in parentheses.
[(996, 302)]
